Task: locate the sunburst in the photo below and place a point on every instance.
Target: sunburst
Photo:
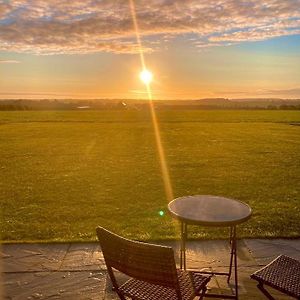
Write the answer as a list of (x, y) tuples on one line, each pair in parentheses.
[(146, 76)]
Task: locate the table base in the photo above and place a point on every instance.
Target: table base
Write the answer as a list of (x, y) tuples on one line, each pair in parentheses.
[(232, 265)]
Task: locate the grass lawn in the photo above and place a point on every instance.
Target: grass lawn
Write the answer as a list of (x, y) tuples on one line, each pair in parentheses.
[(64, 173)]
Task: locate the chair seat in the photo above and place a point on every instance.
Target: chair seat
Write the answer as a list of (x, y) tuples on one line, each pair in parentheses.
[(282, 274), (191, 283)]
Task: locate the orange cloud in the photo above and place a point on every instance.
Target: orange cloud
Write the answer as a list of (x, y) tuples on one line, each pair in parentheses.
[(61, 26), (3, 61)]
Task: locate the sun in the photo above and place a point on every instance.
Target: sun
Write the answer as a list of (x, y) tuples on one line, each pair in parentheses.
[(146, 76)]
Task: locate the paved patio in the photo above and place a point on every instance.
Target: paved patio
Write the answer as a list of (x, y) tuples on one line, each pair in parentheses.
[(77, 271)]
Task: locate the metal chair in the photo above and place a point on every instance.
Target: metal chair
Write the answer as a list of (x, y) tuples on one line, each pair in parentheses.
[(282, 274), (151, 268)]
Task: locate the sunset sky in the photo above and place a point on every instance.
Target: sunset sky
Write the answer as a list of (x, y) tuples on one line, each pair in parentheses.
[(195, 49)]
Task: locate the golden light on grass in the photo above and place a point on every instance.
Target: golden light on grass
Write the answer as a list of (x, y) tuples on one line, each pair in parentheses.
[(146, 76)]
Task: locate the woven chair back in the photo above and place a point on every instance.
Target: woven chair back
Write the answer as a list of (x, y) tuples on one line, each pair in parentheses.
[(147, 262)]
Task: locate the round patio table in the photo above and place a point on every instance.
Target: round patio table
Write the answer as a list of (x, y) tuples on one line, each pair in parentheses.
[(207, 210)]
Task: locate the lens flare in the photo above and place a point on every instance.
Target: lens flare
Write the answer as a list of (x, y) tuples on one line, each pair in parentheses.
[(146, 76)]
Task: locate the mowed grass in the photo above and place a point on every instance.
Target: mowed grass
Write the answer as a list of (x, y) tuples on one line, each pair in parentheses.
[(64, 173)]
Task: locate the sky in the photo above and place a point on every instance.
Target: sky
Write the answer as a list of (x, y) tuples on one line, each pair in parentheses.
[(195, 49)]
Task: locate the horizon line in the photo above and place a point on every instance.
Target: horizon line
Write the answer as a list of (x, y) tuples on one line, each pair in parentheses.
[(141, 99)]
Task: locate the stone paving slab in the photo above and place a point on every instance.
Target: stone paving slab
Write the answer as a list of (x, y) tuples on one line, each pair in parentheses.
[(265, 250), (84, 256), (77, 271), (82, 285), (206, 254), (51, 257), (32, 257)]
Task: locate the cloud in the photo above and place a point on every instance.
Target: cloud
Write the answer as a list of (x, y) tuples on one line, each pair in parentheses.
[(2, 61), (4, 9), (289, 93), (62, 26), (295, 92), (253, 34)]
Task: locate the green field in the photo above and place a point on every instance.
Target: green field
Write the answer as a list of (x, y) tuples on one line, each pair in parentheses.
[(64, 173)]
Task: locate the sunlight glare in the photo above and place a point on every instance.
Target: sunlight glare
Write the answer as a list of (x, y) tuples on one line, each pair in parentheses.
[(146, 76)]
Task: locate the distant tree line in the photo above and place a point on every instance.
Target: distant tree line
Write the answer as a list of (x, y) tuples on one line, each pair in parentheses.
[(35, 105), (32, 105)]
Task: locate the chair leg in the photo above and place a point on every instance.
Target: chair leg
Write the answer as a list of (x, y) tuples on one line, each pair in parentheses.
[(202, 293), (121, 296), (264, 291), (114, 283)]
